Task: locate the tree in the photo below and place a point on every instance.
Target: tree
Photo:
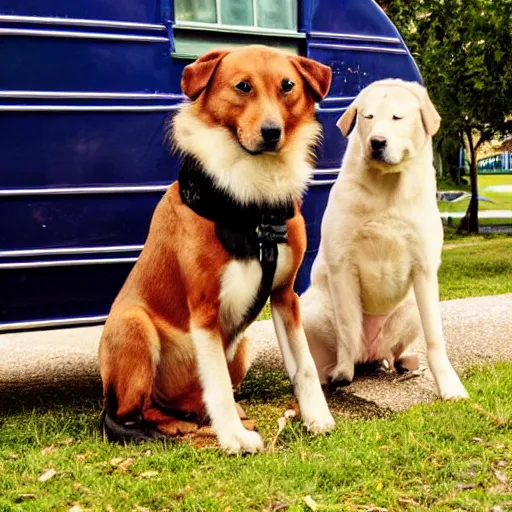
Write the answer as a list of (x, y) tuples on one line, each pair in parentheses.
[(464, 52)]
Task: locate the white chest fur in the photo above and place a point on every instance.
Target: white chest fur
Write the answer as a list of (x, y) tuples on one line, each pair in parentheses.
[(239, 286), (240, 282)]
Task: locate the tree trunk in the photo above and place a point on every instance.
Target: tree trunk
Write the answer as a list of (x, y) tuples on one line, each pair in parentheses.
[(470, 221)]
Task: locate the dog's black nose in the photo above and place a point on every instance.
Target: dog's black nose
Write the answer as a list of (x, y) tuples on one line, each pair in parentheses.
[(271, 136), (378, 143)]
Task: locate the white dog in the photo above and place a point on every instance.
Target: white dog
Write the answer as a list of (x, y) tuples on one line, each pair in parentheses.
[(381, 240)]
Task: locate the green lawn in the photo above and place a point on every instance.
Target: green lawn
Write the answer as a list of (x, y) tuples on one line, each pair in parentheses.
[(501, 200), (475, 266), (448, 184), (437, 457)]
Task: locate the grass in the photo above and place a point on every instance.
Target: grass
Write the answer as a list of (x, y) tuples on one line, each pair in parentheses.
[(443, 456), (475, 267), (501, 200), (447, 184)]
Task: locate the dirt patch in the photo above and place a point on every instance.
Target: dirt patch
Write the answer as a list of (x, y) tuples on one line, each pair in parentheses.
[(343, 403)]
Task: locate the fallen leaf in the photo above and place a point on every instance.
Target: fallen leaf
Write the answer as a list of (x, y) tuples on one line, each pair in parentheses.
[(47, 475), (500, 476), (25, 497), (379, 486), (378, 436), (109, 508), (121, 464), (77, 485), (13, 456), (407, 501), (80, 457), (477, 440), (499, 489), (125, 465), (149, 474), (147, 453), (502, 463), (48, 450), (76, 508), (68, 441), (465, 487), (136, 508), (311, 503)]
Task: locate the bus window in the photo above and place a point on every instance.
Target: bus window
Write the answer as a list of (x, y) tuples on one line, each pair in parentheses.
[(203, 11), (272, 14)]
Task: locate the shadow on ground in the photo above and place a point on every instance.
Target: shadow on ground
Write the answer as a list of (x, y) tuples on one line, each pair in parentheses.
[(14, 398), (274, 387), (260, 387)]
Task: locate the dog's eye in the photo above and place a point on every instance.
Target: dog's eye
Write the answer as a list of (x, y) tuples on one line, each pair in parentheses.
[(287, 85), (369, 116), (396, 118), (244, 87)]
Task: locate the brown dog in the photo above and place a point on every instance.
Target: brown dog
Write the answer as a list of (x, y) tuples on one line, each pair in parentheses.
[(227, 235)]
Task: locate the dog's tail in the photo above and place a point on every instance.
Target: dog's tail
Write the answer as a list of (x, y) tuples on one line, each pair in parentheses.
[(136, 430)]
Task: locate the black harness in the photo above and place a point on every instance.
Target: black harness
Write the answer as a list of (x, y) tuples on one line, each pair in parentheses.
[(246, 231)]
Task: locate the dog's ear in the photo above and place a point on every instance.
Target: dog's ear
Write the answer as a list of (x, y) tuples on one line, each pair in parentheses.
[(316, 75), (347, 121), (196, 76), (431, 119)]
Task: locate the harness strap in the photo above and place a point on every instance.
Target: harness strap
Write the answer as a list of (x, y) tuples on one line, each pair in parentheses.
[(246, 231)]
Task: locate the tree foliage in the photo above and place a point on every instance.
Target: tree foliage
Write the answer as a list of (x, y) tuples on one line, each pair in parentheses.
[(464, 51)]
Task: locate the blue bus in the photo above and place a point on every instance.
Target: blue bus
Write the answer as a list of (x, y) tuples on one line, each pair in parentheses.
[(86, 90)]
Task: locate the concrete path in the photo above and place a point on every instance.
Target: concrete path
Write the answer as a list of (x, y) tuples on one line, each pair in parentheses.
[(482, 214), (43, 364)]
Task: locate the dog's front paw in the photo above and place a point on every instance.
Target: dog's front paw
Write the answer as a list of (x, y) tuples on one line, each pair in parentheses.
[(314, 411), (241, 441), (319, 423), (453, 390), (341, 375)]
